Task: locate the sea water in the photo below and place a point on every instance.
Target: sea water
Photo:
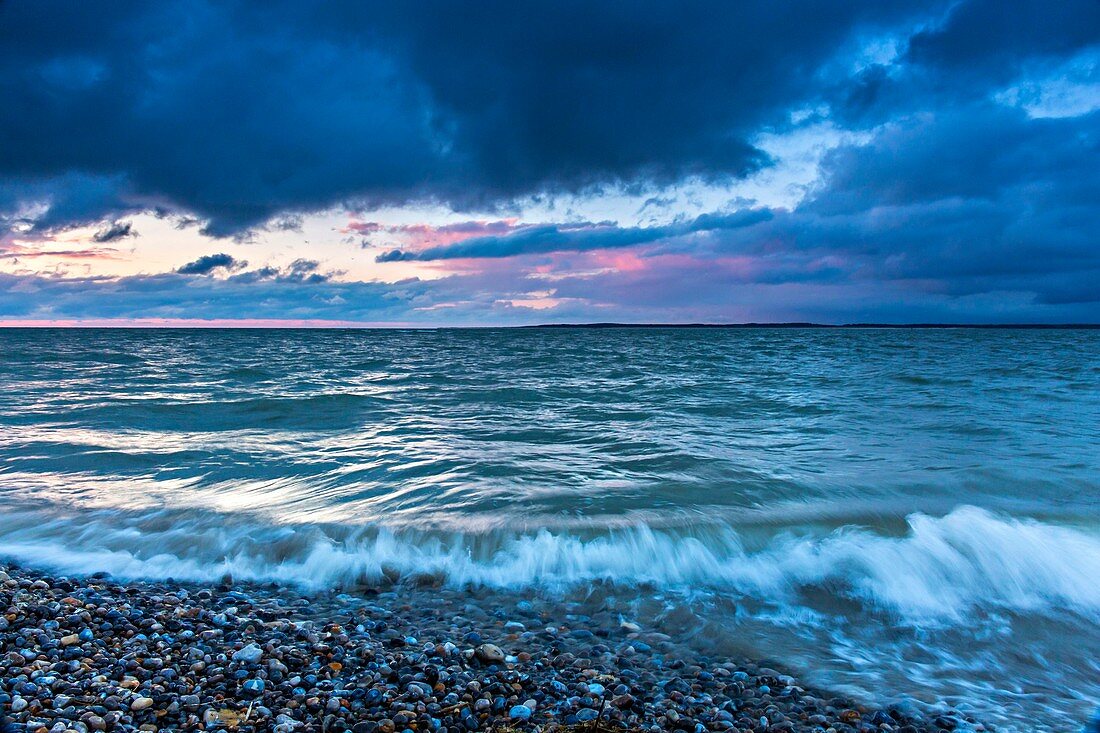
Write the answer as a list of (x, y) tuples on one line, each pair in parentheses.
[(896, 514)]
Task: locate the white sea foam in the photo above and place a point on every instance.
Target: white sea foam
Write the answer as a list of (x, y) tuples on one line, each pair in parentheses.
[(940, 569)]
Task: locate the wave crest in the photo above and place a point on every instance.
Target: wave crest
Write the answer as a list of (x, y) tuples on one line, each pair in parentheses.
[(941, 568)]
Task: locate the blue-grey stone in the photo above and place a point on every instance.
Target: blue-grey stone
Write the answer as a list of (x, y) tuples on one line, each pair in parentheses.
[(250, 654)]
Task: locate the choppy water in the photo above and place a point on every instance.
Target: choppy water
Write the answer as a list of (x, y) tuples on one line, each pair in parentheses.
[(901, 514)]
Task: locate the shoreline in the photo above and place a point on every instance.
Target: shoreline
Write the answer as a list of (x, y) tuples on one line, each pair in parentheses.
[(98, 654)]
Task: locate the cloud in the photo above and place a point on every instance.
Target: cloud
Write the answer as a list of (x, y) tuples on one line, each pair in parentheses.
[(173, 295), (208, 263), (661, 288), (238, 113), (967, 178), (972, 52), (68, 199), (977, 200), (967, 203), (115, 231), (15, 252), (995, 39), (423, 235), (534, 239), (301, 271)]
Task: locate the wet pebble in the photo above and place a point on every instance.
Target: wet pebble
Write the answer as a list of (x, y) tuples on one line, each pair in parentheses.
[(90, 655)]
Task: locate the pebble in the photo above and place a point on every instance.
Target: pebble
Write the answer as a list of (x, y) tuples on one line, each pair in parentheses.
[(250, 654), (490, 654), (520, 712), (89, 655)]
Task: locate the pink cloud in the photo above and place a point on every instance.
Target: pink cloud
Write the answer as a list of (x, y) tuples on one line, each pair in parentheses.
[(362, 227), (18, 251), (625, 262), (416, 236)]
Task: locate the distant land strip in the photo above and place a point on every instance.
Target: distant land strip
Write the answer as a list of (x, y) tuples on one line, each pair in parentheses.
[(798, 324)]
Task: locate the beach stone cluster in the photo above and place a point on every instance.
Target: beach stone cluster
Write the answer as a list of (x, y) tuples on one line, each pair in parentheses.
[(92, 654)]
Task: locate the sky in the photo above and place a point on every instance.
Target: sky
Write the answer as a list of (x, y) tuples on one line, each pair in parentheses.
[(500, 163)]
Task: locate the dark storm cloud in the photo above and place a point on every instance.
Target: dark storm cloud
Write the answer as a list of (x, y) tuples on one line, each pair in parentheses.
[(74, 198), (974, 152), (574, 93), (976, 200), (221, 110), (239, 111), (995, 37), (237, 115), (974, 50)]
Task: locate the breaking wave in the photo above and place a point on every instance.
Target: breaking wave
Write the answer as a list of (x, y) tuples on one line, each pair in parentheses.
[(941, 568)]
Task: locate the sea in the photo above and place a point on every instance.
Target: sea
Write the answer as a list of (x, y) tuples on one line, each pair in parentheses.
[(904, 515)]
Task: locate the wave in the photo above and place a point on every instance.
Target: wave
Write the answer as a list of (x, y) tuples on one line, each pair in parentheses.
[(942, 568), (326, 411)]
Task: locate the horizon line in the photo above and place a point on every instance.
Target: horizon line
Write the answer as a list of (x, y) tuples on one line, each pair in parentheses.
[(323, 324)]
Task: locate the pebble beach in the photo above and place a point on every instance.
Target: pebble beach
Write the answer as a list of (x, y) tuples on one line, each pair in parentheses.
[(95, 654)]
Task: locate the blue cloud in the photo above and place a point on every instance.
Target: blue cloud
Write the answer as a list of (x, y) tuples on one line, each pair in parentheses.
[(241, 111), (115, 231), (538, 239), (233, 115), (208, 263)]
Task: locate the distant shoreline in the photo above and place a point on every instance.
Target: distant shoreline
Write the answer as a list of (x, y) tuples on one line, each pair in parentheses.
[(1002, 326)]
